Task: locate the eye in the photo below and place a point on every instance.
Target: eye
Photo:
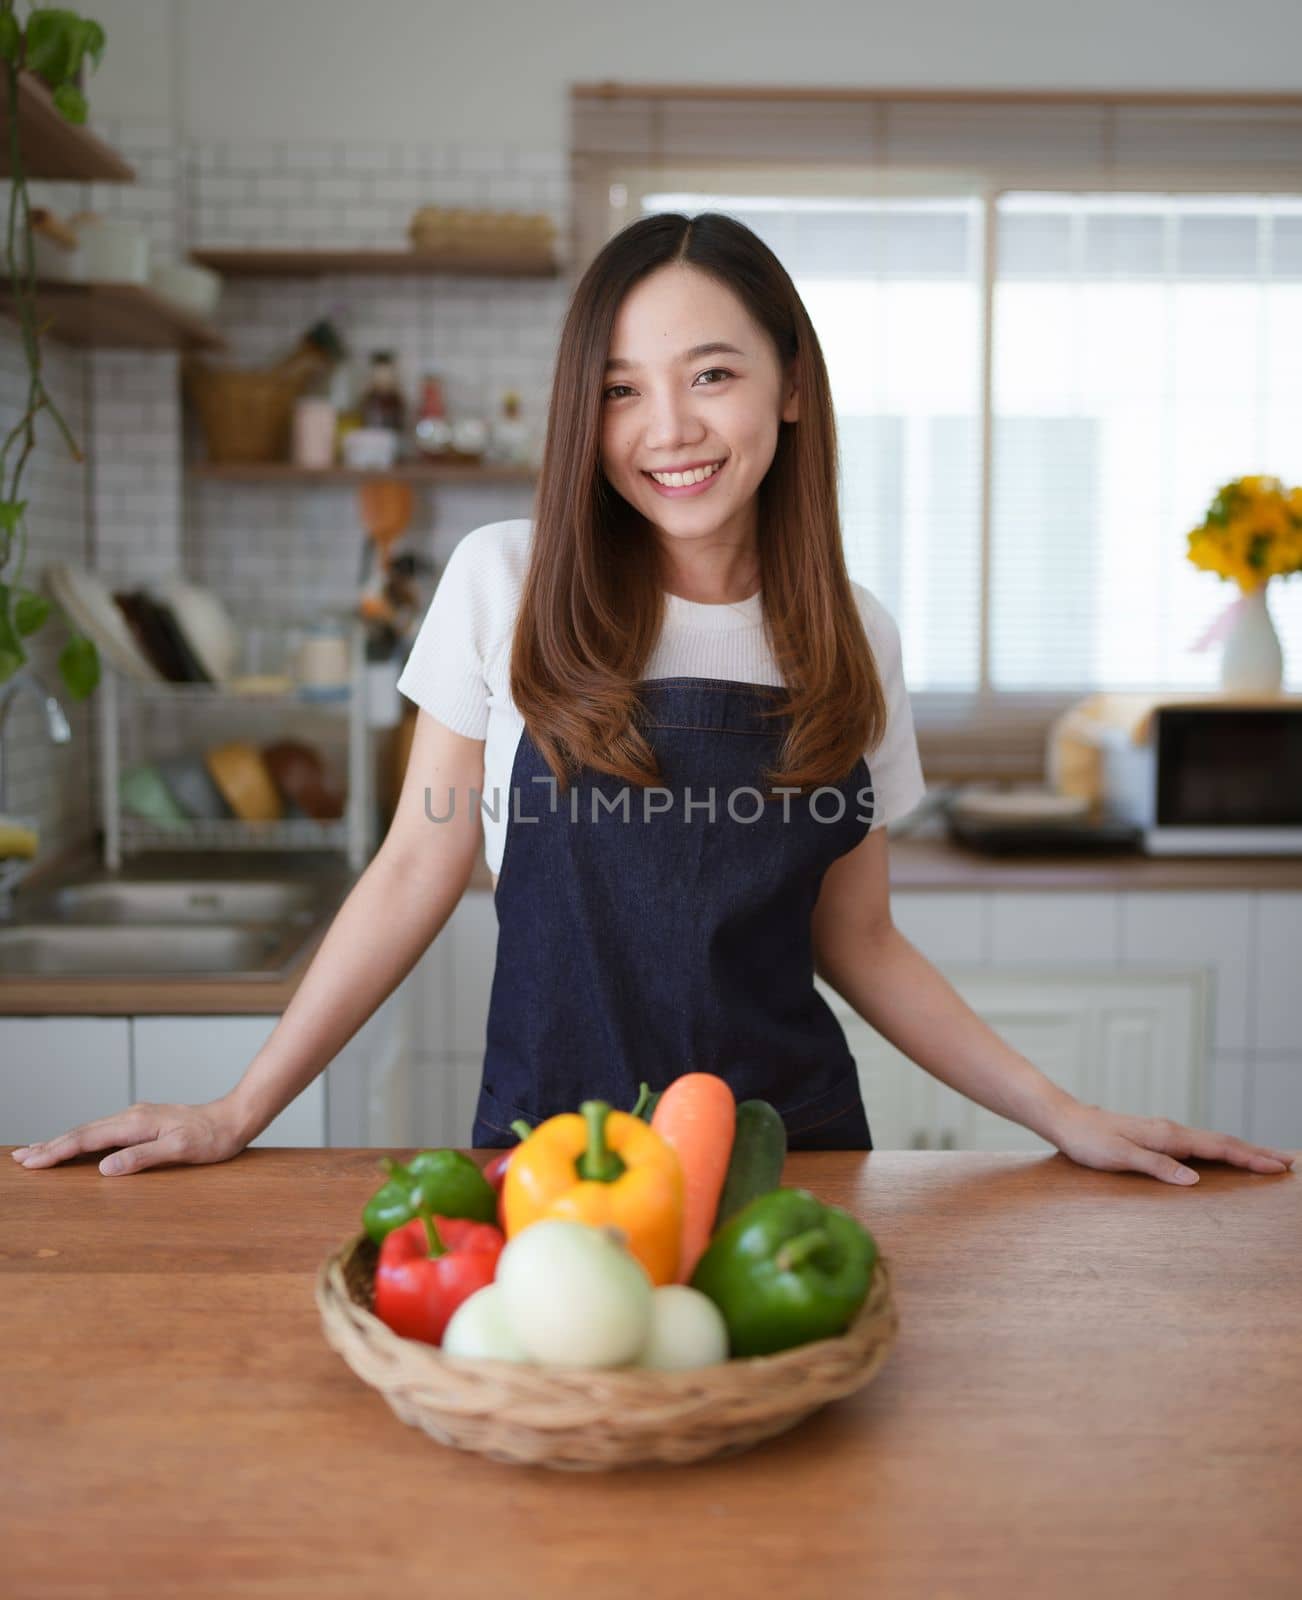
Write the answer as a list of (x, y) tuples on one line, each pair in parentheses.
[(608, 393), (723, 371)]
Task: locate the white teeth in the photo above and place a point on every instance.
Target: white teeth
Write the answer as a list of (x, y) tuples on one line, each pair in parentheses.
[(676, 480)]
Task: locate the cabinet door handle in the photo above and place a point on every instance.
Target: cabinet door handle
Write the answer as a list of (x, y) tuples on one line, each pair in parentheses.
[(947, 1140), (919, 1141)]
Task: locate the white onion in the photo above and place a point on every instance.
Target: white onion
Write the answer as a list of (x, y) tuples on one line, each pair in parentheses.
[(574, 1296), (479, 1329), (686, 1330)]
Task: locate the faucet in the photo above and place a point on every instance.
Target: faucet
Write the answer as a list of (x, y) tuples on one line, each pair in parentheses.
[(59, 732)]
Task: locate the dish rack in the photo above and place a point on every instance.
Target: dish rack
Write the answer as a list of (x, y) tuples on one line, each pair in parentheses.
[(134, 717)]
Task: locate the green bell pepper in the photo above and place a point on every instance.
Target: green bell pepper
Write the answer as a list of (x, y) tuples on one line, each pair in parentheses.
[(786, 1269), (444, 1182)]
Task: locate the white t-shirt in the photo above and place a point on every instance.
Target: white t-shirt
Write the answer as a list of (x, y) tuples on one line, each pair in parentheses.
[(460, 666)]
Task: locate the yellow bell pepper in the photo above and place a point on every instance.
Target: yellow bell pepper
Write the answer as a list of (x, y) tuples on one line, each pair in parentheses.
[(606, 1168)]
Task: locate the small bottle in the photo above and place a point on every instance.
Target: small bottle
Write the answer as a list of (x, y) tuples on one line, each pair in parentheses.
[(433, 430), (382, 404), (511, 433)]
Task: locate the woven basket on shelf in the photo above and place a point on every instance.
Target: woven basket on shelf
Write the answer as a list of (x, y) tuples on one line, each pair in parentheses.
[(586, 1420), (246, 413), (506, 238)]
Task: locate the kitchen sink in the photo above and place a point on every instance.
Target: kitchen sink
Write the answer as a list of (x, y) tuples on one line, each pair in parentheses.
[(58, 949), (197, 900), (233, 919)]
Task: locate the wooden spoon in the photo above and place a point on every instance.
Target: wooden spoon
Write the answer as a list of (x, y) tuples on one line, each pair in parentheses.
[(385, 507)]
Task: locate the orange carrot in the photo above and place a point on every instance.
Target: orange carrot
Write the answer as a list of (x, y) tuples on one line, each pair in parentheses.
[(697, 1116)]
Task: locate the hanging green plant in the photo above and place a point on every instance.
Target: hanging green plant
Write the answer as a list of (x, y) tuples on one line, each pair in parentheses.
[(53, 45)]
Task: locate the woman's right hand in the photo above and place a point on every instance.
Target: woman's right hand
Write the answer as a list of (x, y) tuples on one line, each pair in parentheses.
[(147, 1135)]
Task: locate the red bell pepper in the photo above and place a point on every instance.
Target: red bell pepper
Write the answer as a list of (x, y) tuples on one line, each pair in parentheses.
[(495, 1171), (427, 1267)]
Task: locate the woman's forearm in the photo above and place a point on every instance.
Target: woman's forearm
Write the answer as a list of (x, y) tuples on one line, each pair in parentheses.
[(377, 936), (893, 986)]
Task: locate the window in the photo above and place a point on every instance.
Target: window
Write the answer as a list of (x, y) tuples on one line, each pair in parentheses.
[(1054, 325), (1140, 357)]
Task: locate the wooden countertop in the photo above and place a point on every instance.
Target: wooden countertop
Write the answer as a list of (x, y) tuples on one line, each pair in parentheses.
[(1096, 1389), (934, 862)]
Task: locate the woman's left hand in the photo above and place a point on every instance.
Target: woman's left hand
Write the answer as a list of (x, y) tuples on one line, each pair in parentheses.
[(1115, 1142)]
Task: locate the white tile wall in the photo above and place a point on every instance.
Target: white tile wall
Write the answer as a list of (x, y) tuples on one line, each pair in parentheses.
[(302, 552), (46, 781), (132, 515)]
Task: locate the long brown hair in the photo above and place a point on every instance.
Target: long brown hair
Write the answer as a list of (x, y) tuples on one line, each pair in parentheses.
[(592, 603)]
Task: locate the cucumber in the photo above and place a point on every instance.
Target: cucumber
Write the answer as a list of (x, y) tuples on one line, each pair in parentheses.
[(646, 1104), (759, 1149)]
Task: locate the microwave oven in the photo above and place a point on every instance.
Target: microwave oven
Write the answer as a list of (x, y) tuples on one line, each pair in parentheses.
[(1211, 779)]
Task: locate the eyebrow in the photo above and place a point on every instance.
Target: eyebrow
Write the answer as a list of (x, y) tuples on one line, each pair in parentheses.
[(716, 347)]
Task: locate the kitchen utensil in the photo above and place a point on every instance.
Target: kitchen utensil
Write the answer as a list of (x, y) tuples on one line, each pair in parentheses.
[(159, 635), (1105, 836), (143, 792), (208, 627), (588, 1420), (299, 772), (54, 247), (383, 702), (90, 606), (185, 284), (240, 773), (313, 432), (20, 837), (193, 789), (1024, 803), (369, 448), (256, 684), (323, 660), (111, 251), (385, 508), (140, 619)]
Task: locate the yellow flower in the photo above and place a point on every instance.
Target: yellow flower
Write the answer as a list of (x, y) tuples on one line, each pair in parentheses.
[(1251, 532)]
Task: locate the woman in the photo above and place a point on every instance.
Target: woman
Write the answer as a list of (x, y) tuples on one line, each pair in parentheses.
[(681, 732)]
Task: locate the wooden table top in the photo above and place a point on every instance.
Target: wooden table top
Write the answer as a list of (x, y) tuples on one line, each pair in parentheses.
[(1096, 1389)]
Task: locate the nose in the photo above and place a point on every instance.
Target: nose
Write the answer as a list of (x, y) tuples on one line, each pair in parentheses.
[(671, 420)]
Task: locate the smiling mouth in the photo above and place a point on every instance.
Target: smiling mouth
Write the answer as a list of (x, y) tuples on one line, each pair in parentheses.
[(688, 483)]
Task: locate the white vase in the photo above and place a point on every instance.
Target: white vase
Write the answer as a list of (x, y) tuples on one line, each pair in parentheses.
[(1252, 661)]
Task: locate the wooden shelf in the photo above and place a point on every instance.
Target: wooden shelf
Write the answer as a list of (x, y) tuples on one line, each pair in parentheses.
[(276, 472), (116, 316), (363, 263), (52, 146)]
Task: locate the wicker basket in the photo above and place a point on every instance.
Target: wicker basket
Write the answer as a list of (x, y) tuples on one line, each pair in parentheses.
[(589, 1420), (508, 239), (246, 414)]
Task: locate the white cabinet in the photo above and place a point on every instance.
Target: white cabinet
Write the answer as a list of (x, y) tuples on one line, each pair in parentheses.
[(446, 995), (1214, 931), (58, 1072), (194, 1059), (1128, 1042), (1275, 974)]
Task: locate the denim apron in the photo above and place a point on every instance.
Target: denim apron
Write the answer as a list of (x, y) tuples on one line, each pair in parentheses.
[(645, 933)]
